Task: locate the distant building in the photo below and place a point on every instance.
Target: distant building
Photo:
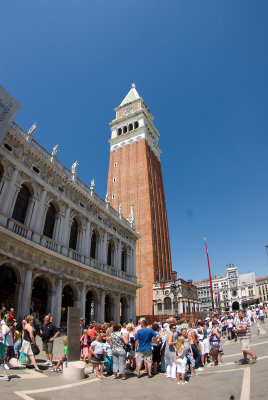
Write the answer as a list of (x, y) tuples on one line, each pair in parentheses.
[(164, 297), (230, 292), (262, 288), (234, 291), (204, 295)]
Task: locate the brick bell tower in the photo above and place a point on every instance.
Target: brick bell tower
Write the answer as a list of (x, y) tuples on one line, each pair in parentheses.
[(135, 178)]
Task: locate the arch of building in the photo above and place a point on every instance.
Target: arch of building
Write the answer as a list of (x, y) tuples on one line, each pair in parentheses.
[(235, 306), (127, 128)]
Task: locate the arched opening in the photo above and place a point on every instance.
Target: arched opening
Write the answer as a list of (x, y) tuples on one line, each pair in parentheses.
[(136, 124), (110, 253), (123, 310), (108, 308), (124, 260), (73, 235), (1, 172), (235, 306), (130, 127), (90, 307), (167, 303), (125, 129), (67, 301), (40, 296), (159, 307), (119, 131), (50, 221), (21, 205), (7, 286), (93, 245)]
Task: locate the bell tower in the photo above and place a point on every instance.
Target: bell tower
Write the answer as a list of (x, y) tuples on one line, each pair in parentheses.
[(135, 178)]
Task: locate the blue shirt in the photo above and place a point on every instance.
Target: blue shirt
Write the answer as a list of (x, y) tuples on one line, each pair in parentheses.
[(144, 336)]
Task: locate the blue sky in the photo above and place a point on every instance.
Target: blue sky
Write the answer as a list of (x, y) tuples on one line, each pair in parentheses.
[(201, 67)]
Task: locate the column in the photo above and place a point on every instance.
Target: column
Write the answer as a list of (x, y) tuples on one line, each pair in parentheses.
[(134, 262), (39, 213), (27, 292), (134, 309), (104, 249), (65, 231), (58, 226), (83, 301), (87, 241), (119, 258), (56, 312), (8, 198), (128, 262), (116, 316), (101, 306)]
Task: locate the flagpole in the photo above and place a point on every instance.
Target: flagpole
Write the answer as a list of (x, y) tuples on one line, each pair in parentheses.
[(212, 300)]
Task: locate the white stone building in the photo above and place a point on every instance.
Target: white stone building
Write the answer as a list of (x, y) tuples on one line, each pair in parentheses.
[(164, 298), (234, 291), (60, 244), (204, 295)]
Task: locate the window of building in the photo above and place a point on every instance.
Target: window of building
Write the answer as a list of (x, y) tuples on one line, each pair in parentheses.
[(119, 131), (113, 196), (123, 260), (136, 124), (114, 180), (130, 127), (159, 307), (21, 205), (73, 235), (93, 245), (115, 165), (50, 221), (125, 129), (167, 303)]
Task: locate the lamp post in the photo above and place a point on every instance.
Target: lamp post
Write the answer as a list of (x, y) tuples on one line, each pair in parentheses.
[(175, 291)]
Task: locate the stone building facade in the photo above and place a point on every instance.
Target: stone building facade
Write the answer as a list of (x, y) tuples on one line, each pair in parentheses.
[(135, 178), (204, 295), (164, 299), (60, 243), (262, 289)]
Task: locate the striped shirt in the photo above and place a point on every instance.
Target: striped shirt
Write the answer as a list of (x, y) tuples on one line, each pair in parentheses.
[(244, 323)]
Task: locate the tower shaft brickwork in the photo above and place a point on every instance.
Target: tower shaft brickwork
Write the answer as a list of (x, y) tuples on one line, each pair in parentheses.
[(135, 178)]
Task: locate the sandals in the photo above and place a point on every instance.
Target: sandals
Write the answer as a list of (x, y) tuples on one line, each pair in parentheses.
[(253, 361)]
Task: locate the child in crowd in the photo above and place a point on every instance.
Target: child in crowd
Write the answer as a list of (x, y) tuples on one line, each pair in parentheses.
[(8, 332), (109, 358), (97, 358), (61, 359), (180, 360), (85, 345), (17, 340)]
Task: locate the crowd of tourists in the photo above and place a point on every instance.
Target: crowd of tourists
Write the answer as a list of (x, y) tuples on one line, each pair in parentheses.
[(178, 348)]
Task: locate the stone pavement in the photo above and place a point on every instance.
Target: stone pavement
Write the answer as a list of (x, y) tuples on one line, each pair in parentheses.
[(243, 382)]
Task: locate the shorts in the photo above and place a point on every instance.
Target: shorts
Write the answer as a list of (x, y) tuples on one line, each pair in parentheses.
[(97, 360), (48, 347), (9, 352), (244, 344), (156, 354), (144, 355), (181, 365)]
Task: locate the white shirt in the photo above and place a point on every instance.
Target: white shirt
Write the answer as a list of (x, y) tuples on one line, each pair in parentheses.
[(9, 336)]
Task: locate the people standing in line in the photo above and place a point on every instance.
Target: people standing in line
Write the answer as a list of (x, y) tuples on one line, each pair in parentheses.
[(28, 336), (170, 352), (188, 352), (49, 332), (180, 361), (85, 343), (143, 347), (119, 343), (230, 323), (244, 334), (193, 336), (97, 357)]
